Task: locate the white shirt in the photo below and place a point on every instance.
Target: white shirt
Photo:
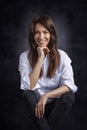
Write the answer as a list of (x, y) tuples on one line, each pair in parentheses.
[(63, 74)]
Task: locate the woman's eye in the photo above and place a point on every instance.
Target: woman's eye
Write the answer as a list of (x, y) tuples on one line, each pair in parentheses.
[(36, 32), (45, 32)]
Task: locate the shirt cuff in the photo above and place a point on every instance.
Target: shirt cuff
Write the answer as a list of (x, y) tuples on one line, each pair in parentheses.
[(71, 86), (25, 83), (37, 86)]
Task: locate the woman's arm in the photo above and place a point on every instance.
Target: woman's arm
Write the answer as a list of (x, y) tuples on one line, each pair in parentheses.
[(34, 75), (40, 106), (58, 92)]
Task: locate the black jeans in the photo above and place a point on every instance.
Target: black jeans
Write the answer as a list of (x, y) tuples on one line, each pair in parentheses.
[(55, 112)]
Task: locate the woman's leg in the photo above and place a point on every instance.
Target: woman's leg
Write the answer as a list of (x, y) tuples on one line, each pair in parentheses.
[(30, 99), (59, 111)]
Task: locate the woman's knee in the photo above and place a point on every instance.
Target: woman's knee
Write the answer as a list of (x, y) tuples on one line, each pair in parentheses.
[(29, 97), (28, 93), (68, 99), (28, 103)]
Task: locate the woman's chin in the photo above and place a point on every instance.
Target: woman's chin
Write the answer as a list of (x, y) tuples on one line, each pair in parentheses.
[(42, 46)]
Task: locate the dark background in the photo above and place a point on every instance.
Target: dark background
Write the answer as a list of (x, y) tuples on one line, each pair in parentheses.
[(70, 18)]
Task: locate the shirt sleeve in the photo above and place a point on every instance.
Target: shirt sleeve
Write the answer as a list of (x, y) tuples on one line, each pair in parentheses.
[(67, 77), (24, 70)]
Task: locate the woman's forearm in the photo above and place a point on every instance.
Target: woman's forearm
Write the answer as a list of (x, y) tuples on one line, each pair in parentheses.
[(58, 92), (34, 75)]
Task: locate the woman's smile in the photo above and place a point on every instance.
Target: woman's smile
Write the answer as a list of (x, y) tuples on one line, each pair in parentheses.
[(41, 35)]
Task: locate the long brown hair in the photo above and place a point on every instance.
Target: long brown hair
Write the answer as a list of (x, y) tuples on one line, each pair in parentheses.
[(54, 58)]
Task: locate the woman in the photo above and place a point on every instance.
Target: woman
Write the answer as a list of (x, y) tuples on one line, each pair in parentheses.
[(46, 76)]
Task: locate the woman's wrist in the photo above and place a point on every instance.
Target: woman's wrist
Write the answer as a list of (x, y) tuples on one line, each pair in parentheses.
[(46, 95), (40, 58)]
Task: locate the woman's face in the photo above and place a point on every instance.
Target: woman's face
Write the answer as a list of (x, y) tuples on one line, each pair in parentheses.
[(41, 35)]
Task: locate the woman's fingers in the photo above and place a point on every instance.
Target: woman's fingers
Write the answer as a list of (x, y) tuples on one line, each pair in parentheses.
[(39, 111), (40, 106), (42, 50), (46, 50), (43, 109)]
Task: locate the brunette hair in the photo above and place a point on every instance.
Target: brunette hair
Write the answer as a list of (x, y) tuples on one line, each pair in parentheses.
[(54, 58)]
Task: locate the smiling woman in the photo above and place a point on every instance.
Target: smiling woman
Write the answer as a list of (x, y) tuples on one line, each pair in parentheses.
[(41, 35), (46, 77)]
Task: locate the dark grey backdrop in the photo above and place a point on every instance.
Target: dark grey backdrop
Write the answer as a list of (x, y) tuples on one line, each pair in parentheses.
[(71, 24)]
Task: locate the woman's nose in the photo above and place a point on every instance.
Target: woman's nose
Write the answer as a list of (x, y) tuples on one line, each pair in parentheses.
[(41, 35)]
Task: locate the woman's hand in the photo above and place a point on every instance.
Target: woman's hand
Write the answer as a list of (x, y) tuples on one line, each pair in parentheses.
[(42, 51), (40, 106)]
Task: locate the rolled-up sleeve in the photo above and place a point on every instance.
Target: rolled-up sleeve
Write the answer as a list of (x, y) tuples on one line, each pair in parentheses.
[(24, 70), (67, 76)]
